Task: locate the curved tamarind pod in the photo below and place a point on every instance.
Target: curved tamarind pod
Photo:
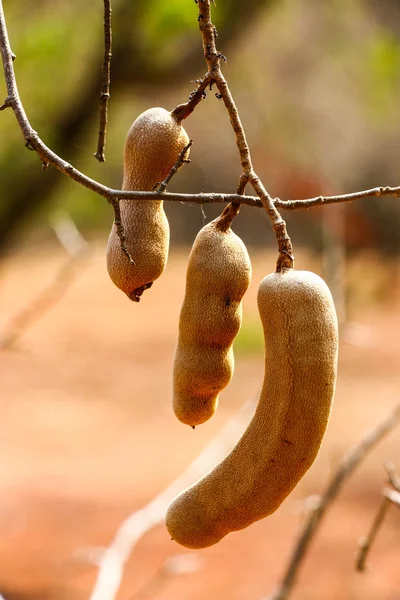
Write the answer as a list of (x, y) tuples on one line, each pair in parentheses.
[(218, 275), (152, 147), (283, 438)]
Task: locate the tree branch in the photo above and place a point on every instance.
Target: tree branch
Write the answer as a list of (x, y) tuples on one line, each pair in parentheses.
[(105, 87), (393, 496), (213, 59), (180, 161), (366, 543), (120, 230), (346, 468), (393, 476), (48, 157), (389, 497)]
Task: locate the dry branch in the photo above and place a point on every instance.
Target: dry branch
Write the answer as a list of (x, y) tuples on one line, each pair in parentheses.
[(48, 157), (390, 496), (105, 87), (366, 543), (349, 464), (181, 160), (393, 496), (393, 476), (213, 59), (140, 522), (120, 230)]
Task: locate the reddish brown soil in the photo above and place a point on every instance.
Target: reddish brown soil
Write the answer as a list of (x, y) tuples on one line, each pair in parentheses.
[(87, 435)]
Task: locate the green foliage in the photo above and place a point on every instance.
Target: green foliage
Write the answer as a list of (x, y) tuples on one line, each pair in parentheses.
[(165, 20), (53, 47), (382, 61), (250, 339)]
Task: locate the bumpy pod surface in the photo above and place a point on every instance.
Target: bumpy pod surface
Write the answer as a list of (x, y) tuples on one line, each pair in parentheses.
[(284, 436), (152, 146), (218, 275)]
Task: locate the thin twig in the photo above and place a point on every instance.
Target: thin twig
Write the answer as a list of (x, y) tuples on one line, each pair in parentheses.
[(181, 160), (105, 87), (230, 211), (367, 541), (182, 111), (213, 59), (120, 230), (389, 497), (73, 242), (349, 464), (47, 156), (139, 523), (393, 476), (393, 496)]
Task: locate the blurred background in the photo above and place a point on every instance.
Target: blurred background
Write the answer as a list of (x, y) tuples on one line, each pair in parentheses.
[(87, 433)]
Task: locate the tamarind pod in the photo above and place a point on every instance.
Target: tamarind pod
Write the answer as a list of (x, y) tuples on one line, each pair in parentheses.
[(152, 147), (283, 438), (218, 275)]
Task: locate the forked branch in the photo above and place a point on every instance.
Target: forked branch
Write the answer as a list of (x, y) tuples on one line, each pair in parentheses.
[(389, 496), (213, 59), (48, 157)]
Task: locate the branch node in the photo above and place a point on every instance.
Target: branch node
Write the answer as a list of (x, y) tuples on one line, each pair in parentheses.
[(8, 103), (286, 258), (100, 156), (393, 476), (28, 144)]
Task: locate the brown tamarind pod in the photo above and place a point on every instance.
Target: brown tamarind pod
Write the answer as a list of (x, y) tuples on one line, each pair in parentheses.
[(152, 147), (218, 275), (283, 438)]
